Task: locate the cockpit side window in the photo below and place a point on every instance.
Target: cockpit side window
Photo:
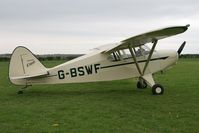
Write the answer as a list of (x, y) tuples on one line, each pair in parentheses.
[(124, 54), (142, 50), (146, 50), (138, 51)]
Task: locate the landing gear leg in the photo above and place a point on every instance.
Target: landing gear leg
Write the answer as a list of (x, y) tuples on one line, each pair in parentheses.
[(157, 89)]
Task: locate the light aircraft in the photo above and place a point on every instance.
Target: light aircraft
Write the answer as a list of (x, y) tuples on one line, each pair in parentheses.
[(130, 58)]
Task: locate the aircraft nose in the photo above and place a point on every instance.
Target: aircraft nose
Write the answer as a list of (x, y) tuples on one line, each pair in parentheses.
[(173, 57), (173, 54)]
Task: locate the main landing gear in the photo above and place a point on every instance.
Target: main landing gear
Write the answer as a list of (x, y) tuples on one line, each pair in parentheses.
[(147, 80), (157, 89)]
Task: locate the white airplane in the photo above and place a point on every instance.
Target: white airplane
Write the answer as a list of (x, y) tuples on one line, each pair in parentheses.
[(130, 58)]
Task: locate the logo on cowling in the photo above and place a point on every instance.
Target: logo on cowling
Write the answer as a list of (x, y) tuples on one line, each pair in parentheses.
[(30, 62)]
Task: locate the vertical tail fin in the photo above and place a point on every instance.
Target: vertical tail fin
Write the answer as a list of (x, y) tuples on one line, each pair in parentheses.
[(24, 65)]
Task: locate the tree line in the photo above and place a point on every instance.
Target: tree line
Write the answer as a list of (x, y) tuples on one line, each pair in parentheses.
[(48, 57)]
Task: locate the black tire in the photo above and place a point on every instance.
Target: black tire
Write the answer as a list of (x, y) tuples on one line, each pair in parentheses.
[(141, 86), (20, 92), (157, 89)]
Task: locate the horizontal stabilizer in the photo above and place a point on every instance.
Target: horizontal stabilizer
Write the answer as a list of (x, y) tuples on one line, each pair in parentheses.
[(31, 76)]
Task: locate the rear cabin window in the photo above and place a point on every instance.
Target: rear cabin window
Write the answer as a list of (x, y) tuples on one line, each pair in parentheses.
[(126, 54), (120, 55), (115, 56)]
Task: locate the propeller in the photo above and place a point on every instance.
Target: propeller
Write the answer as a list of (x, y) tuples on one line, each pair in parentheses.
[(181, 47)]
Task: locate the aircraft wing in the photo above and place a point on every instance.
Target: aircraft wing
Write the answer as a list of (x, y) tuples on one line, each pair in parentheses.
[(148, 37)]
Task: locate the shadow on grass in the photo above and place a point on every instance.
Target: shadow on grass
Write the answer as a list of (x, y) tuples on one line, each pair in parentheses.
[(84, 91)]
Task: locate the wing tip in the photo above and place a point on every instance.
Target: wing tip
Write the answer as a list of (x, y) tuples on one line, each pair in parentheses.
[(188, 25)]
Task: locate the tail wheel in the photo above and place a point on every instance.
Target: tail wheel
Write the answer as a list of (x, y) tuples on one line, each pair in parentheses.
[(157, 89), (142, 85)]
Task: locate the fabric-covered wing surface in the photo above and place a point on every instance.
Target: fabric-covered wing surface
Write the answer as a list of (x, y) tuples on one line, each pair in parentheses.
[(149, 37)]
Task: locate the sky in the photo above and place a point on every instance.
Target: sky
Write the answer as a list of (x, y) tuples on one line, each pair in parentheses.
[(75, 27)]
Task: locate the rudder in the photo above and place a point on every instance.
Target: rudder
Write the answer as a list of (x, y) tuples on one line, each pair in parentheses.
[(24, 65)]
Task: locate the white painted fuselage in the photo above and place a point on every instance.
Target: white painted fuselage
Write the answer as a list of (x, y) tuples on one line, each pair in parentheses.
[(96, 66)]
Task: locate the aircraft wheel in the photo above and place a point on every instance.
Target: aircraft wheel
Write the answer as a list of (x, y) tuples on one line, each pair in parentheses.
[(20, 92), (157, 89), (141, 85)]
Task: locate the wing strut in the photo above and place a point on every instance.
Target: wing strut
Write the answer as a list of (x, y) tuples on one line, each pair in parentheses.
[(149, 57), (135, 60)]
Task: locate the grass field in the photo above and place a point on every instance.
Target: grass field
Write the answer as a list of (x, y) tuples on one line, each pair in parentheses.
[(115, 106)]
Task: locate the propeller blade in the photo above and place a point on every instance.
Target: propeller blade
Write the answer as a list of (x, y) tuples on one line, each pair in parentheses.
[(181, 48)]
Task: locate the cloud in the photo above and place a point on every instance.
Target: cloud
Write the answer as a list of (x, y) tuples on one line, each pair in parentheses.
[(43, 9), (49, 26)]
